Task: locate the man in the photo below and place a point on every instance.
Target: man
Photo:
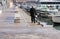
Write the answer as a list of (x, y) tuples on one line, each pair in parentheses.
[(32, 14)]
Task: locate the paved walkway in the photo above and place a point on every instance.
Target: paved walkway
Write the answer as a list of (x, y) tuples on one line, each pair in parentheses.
[(25, 29)]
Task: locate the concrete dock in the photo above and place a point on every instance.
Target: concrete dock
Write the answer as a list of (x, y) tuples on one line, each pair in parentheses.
[(25, 29)]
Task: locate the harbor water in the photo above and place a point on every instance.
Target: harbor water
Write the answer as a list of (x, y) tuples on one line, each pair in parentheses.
[(50, 22), (57, 26)]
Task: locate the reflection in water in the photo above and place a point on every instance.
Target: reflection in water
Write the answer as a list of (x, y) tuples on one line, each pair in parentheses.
[(49, 22), (57, 26)]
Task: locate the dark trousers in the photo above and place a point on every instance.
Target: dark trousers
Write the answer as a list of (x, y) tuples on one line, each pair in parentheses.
[(33, 19)]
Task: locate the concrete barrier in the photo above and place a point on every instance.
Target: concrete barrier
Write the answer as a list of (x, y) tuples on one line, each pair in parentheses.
[(17, 18)]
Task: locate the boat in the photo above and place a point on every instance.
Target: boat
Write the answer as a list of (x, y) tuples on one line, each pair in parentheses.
[(56, 18)]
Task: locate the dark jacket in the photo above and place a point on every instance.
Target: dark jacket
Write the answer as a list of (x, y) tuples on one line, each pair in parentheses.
[(32, 12)]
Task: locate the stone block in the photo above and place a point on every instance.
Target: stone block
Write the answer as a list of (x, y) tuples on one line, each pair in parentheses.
[(16, 20)]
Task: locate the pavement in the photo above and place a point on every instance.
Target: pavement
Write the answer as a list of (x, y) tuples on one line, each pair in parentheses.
[(25, 29)]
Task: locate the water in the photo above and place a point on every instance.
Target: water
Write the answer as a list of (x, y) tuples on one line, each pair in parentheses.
[(49, 22), (57, 26)]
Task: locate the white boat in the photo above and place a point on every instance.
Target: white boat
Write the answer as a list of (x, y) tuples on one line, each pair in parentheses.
[(56, 18), (55, 14)]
